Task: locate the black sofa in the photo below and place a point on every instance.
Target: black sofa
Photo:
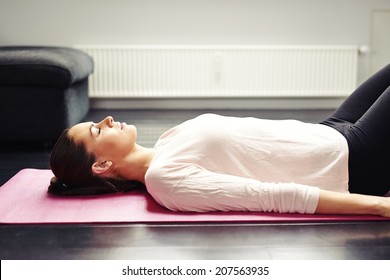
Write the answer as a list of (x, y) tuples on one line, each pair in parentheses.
[(43, 90)]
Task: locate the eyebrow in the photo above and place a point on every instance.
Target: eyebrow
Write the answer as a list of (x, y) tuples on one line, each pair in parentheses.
[(90, 129)]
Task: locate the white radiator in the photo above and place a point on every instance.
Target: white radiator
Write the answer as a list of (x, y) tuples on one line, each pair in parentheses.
[(222, 71)]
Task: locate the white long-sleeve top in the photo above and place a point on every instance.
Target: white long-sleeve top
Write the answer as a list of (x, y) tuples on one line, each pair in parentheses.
[(217, 163)]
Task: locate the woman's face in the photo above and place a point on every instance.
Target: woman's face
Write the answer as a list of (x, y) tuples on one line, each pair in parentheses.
[(107, 140)]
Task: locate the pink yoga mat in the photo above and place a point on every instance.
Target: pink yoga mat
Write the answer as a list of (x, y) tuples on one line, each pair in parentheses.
[(24, 200)]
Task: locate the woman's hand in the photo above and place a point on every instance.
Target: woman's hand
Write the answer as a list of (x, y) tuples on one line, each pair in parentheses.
[(385, 207), (346, 203)]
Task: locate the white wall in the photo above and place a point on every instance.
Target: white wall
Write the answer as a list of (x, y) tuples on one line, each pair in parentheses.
[(264, 22)]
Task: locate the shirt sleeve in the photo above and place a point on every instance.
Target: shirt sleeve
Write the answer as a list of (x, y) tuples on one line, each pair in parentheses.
[(195, 189)]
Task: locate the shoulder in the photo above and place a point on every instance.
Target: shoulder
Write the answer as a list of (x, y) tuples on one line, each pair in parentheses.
[(163, 176), (164, 183), (154, 175), (210, 117)]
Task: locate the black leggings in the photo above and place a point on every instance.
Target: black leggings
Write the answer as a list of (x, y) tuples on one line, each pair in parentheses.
[(364, 120)]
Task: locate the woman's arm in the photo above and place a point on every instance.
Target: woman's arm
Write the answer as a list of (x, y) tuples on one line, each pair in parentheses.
[(346, 203), (195, 189)]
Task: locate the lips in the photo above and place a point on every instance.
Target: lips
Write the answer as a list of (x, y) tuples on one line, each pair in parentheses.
[(121, 125)]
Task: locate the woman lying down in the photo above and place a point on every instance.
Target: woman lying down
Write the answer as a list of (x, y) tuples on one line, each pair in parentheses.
[(220, 163)]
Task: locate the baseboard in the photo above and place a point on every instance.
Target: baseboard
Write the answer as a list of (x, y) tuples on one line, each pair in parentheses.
[(217, 103)]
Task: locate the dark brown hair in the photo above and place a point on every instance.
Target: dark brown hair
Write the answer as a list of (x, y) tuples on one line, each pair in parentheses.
[(71, 164)]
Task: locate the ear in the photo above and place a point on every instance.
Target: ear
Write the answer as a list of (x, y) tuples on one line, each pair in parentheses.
[(101, 167)]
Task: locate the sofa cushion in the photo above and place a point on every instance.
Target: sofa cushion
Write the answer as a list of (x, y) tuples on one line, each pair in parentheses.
[(43, 66)]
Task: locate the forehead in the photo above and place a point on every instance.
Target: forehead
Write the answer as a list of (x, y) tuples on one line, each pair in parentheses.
[(80, 132)]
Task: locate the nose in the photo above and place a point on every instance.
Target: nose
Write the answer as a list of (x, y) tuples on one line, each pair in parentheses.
[(109, 121)]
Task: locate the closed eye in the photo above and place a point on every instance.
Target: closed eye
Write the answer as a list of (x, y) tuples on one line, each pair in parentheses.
[(96, 128)]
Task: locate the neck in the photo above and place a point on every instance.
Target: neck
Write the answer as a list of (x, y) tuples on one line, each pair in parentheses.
[(136, 164)]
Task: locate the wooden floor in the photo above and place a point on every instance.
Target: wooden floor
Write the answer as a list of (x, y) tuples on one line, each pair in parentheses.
[(329, 241)]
